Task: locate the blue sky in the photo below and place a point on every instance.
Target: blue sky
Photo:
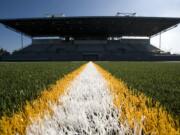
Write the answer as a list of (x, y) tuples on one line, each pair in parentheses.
[(40, 8)]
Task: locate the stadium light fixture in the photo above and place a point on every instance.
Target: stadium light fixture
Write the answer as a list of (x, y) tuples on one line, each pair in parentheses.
[(125, 14)]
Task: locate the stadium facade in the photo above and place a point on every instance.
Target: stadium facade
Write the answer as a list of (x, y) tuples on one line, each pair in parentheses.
[(91, 38)]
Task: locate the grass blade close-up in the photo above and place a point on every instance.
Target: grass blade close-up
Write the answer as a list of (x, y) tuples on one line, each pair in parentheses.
[(158, 80), (21, 82), (77, 98)]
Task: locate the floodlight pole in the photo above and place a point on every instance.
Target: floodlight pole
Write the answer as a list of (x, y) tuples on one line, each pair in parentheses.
[(22, 42)]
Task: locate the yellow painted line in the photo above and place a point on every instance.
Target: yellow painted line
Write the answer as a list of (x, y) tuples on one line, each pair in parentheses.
[(141, 113), (37, 108), (86, 108)]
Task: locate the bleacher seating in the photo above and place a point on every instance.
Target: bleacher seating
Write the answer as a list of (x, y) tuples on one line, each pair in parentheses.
[(49, 49)]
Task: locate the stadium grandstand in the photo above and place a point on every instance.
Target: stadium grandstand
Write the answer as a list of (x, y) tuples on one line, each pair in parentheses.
[(91, 38)]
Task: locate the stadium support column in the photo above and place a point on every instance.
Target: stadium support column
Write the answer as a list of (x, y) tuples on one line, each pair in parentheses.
[(22, 41), (160, 40)]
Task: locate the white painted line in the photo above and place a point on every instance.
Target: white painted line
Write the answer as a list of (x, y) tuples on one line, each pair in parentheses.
[(87, 108)]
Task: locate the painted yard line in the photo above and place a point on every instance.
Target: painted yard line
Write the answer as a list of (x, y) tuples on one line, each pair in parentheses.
[(141, 113), (87, 108), (38, 108)]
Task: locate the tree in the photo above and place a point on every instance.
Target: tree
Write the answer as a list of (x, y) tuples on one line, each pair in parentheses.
[(3, 53)]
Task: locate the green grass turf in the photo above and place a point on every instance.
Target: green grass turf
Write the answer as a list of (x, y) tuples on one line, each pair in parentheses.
[(158, 80), (24, 81)]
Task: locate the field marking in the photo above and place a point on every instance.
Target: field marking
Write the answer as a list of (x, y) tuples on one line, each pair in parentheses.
[(141, 113), (83, 107), (36, 109), (87, 108)]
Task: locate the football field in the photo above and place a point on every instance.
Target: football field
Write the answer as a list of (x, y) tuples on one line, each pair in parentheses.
[(90, 98)]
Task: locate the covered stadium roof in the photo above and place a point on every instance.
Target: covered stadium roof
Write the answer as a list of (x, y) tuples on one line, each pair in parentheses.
[(94, 26)]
